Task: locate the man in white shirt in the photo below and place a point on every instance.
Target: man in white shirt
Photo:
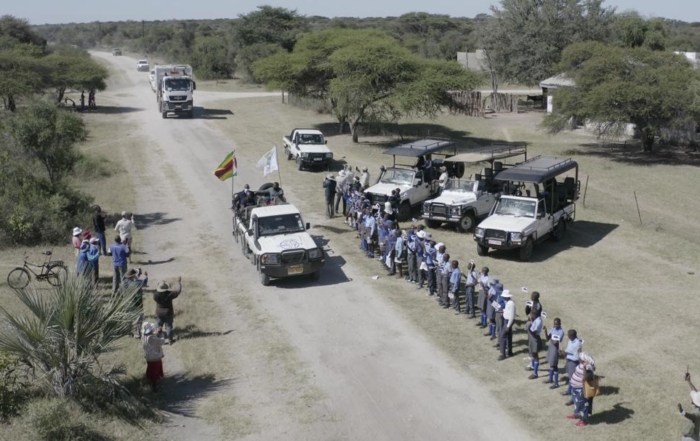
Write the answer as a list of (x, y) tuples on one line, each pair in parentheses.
[(442, 180), (506, 337), (124, 227)]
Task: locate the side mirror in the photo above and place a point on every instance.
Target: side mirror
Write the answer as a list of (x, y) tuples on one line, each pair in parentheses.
[(308, 225), (540, 215), (325, 141)]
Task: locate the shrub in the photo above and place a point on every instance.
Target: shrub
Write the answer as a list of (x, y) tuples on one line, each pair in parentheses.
[(10, 389), (60, 420)]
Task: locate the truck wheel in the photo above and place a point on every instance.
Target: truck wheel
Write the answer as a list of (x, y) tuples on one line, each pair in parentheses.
[(559, 230), (432, 223), (264, 278), (300, 165), (466, 223), (526, 251), (481, 250), (165, 115), (316, 275), (404, 211)]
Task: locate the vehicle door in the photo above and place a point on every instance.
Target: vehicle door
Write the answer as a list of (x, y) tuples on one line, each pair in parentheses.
[(484, 198), (544, 219), (421, 190)]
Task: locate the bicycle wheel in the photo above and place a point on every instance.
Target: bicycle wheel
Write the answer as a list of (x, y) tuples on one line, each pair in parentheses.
[(56, 275), (18, 278)]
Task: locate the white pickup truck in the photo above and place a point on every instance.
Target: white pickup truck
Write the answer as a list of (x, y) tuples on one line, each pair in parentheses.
[(464, 201), (308, 148), (275, 240), (142, 65), (539, 201), (174, 89)]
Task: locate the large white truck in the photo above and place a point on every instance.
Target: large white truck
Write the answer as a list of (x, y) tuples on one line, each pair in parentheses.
[(462, 202), (308, 148), (174, 89), (538, 202), (273, 236)]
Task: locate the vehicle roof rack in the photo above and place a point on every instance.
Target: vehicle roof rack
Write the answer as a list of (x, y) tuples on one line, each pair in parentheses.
[(537, 170), (419, 148)]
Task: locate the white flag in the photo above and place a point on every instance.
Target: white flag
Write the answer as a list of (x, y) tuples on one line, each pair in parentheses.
[(269, 162)]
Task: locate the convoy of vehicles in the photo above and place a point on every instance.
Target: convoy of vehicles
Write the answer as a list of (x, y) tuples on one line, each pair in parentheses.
[(174, 88), (274, 238), (308, 148), (538, 201), (464, 201), (417, 182)]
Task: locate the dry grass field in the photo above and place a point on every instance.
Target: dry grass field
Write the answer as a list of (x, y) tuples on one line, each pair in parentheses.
[(628, 288)]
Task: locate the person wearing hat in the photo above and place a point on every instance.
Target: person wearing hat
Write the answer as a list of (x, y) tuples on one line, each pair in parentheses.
[(93, 258), (153, 351), (123, 227), (505, 339), (165, 312), (75, 240), (584, 372), (132, 285), (691, 430), (329, 184)]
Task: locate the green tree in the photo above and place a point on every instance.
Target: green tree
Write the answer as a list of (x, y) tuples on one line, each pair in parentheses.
[(20, 76), (64, 336), (618, 86), (525, 38), (211, 60), (248, 56), (268, 24), (632, 30), (49, 136), (20, 30), (73, 70)]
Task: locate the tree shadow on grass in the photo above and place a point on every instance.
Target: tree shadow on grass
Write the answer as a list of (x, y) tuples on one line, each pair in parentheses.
[(179, 393), (113, 110), (193, 331), (616, 415), (631, 153), (144, 221), (207, 113)]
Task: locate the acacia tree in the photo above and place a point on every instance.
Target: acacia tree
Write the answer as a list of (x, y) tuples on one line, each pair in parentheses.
[(618, 86), (525, 38)]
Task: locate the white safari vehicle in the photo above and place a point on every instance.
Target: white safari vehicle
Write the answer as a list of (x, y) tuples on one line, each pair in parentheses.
[(308, 148), (142, 66), (539, 200), (464, 201), (275, 240), (416, 183)]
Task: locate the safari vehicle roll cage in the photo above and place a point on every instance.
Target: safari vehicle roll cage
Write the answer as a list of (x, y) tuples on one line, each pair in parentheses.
[(420, 148)]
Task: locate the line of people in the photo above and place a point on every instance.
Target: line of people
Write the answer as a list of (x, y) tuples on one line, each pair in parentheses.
[(478, 295)]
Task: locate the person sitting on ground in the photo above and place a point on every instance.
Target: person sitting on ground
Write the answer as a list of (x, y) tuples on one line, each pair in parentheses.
[(691, 430)]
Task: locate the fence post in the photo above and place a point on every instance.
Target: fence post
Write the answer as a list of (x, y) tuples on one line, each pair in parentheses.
[(638, 212)]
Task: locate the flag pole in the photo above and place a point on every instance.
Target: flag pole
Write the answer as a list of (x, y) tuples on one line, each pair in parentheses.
[(279, 171), (233, 177)]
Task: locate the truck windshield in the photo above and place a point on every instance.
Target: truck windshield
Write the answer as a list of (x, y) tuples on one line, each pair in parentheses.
[(516, 207), (309, 138), (459, 185), (398, 176), (284, 224), (177, 84)]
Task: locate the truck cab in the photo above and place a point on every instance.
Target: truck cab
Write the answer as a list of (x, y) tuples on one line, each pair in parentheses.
[(308, 148), (175, 90), (538, 202), (275, 240), (462, 202), (417, 180)]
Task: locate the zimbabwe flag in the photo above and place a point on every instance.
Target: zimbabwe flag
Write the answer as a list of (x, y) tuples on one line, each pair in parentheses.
[(227, 168)]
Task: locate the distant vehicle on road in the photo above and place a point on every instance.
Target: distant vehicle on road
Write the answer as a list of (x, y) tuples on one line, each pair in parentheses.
[(116, 51), (308, 148), (142, 66)]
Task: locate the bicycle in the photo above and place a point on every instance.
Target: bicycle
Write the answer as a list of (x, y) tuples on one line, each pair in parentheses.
[(52, 271)]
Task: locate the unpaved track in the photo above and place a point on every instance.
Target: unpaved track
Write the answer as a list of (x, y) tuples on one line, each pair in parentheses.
[(379, 378)]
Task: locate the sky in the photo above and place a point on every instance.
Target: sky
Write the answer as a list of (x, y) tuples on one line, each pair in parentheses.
[(67, 11)]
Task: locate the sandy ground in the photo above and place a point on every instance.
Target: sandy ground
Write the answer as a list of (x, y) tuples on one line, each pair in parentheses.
[(369, 373)]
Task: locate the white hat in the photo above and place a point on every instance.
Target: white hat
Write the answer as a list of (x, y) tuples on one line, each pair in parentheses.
[(506, 294), (695, 397), (341, 173), (586, 358), (330, 176), (439, 245), (421, 234), (77, 231), (148, 328), (94, 240)]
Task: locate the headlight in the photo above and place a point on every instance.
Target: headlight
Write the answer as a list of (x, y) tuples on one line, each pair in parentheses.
[(304, 155), (479, 232), (515, 237), (455, 210), (329, 155), (270, 258), (316, 253)]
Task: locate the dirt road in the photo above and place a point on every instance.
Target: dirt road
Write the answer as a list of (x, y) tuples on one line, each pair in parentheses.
[(315, 361)]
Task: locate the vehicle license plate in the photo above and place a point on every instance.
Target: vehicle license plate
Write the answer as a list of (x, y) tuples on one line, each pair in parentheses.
[(318, 159), (495, 242), (295, 269)]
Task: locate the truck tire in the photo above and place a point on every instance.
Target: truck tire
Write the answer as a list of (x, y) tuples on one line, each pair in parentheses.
[(264, 278), (432, 223), (467, 222), (300, 165), (525, 252), (481, 250), (165, 115), (404, 211), (316, 276)]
